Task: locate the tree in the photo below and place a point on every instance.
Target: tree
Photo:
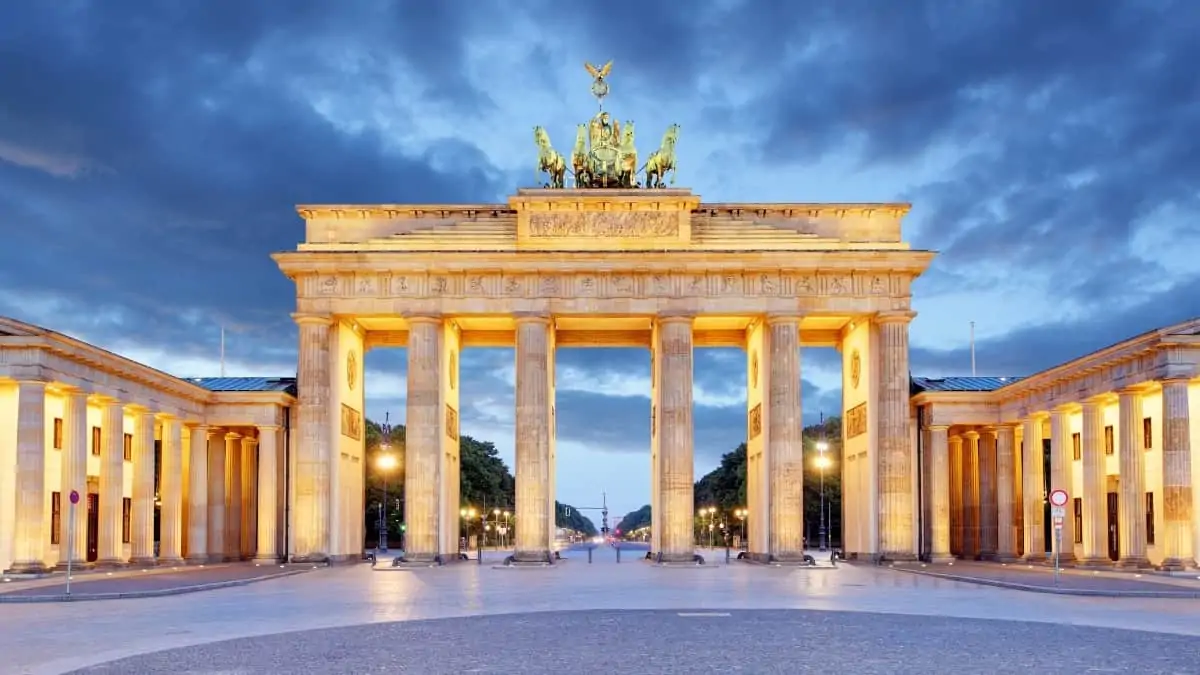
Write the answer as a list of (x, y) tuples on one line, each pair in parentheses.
[(635, 520)]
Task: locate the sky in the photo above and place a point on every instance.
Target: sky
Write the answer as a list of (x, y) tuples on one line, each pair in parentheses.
[(152, 154)]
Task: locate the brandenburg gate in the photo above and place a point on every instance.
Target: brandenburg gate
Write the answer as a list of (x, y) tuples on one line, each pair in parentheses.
[(607, 262)]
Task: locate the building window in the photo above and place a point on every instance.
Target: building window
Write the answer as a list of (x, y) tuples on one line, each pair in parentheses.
[(1150, 518), (128, 447), (1076, 446), (96, 441), (55, 517), (1078, 520), (58, 433), (1147, 433), (126, 513), (1108, 440)]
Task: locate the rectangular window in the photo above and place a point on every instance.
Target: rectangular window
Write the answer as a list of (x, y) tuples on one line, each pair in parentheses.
[(96, 441), (126, 514), (1109, 448), (1150, 518), (58, 433), (1077, 446), (55, 517), (1078, 520), (128, 447), (1147, 433)]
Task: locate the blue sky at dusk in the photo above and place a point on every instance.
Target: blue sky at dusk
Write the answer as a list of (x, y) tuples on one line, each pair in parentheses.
[(151, 154)]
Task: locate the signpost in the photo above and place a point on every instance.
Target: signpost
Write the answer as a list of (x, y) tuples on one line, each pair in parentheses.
[(1058, 510), (71, 535)]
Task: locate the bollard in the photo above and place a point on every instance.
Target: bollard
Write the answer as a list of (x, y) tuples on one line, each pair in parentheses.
[(479, 558), (590, 549), (726, 555), (618, 555)]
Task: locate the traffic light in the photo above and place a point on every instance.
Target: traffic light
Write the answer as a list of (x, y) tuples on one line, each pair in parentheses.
[(403, 527)]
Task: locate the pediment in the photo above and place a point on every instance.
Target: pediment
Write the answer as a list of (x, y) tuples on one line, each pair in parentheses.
[(12, 328)]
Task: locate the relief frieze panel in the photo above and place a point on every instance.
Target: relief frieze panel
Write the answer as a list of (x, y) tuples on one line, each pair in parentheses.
[(632, 284), (612, 224)]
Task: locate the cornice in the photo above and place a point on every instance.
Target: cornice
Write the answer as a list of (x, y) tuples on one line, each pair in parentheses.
[(786, 210)]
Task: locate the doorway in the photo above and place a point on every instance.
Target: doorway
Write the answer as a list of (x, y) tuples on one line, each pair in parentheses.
[(93, 527), (1114, 529)]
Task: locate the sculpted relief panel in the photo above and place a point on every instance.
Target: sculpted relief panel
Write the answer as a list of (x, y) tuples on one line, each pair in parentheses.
[(606, 285), (627, 224)]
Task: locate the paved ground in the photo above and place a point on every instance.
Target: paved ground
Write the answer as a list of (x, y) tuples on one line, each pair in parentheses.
[(60, 637), (1041, 577), (606, 641), (139, 581)]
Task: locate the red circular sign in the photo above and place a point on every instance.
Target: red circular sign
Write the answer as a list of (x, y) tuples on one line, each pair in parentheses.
[(1058, 497), (74, 496)]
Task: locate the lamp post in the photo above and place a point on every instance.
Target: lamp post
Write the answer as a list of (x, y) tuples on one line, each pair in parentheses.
[(741, 516), (822, 463), (386, 462)]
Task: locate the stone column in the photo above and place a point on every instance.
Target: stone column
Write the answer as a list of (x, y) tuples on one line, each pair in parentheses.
[(970, 482), (676, 470), (268, 493), (31, 533), (896, 509), (957, 512), (1062, 454), (1177, 475), (141, 521), (248, 501), (1033, 468), (1095, 526), (198, 495), (1132, 499), (785, 444), (987, 495), (310, 536), (216, 495), (534, 522), (233, 496), (170, 521), (1006, 540), (939, 493), (423, 440), (74, 477), (111, 548)]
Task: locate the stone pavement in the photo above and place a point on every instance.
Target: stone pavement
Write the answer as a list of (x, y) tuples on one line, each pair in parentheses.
[(141, 583), (1040, 578), (614, 641), (58, 637)]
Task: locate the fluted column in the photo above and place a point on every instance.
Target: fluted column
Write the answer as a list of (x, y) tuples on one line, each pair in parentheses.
[(1033, 477), (310, 538), (31, 525), (141, 521), (534, 521), (1177, 476), (957, 512), (1132, 501), (198, 495), (423, 440), (785, 447), (216, 494), (970, 482), (247, 502), (170, 520), (987, 495), (1006, 537), (939, 493), (676, 435), (1095, 514), (896, 508), (233, 496), (268, 493), (111, 548), (1062, 454), (74, 477)]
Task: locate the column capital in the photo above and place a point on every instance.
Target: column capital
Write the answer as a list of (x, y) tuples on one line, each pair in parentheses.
[(676, 316), (956, 439), (232, 436), (1064, 409), (895, 316), (423, 317), (776, 318), (249, 441), (990, 431), (1094, 402), (531, 317), (971, 435), (268, 428), (1132, 390), (1175, 380), (305, 318), (938, 427)]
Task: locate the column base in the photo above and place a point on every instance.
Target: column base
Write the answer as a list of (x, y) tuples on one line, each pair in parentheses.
[(76, 565), (941, 559), (37, 567), (267, 558), (530, 558), (1008, 558), (197, 559), (171, 562), (111, 564), (898, 556), (321, 558), (1172, 565), (1132, 563), (143, 562), (1094, 563), (678, 559)]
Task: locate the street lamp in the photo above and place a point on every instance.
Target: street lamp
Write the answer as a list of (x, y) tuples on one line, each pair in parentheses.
[(822, 463), (741, 515), (386, 462)]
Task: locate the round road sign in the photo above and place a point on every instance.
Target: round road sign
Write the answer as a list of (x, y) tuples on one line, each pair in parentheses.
[(1058, 497), (74, 496)]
